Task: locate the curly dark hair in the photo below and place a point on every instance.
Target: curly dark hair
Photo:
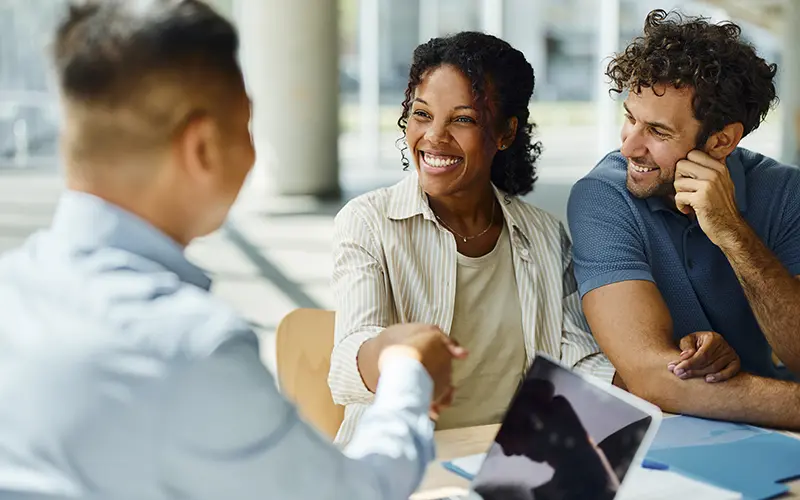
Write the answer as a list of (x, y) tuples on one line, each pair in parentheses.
[(731, 82), (502, 81)]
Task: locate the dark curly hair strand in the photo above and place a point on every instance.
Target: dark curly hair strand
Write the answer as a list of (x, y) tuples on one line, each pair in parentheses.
[(731, 83), (502, 80)]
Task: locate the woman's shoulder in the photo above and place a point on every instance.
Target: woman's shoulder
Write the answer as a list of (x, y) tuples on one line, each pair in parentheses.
[(380, 204), (368, 206)]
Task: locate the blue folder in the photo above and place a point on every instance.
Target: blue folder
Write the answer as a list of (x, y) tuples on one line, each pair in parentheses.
[(737, 457)]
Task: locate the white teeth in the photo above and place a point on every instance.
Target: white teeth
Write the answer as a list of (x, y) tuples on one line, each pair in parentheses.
[(641, 169), (440, 161)]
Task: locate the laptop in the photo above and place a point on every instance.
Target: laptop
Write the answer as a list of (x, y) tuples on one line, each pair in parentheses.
[(565, 436)]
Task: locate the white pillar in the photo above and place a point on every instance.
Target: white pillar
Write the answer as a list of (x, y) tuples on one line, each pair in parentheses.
[(492, 17), (428, 20), (790, 84), (525, 29), (608, 44), (290, 59), (369, 80)]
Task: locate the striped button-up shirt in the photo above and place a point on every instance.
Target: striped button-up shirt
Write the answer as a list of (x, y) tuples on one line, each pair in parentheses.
[(394, 263)]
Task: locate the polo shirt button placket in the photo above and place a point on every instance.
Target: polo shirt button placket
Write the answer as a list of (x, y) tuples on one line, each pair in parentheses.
[(686, 250)]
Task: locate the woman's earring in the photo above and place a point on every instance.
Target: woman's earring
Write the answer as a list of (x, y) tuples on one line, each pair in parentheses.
[(502, 147)]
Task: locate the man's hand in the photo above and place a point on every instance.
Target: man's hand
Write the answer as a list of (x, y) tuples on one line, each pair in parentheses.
[(428, 345), (703, 186), (706, 354)]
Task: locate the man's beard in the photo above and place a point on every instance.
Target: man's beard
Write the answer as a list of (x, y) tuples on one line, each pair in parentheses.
[(657, 187)]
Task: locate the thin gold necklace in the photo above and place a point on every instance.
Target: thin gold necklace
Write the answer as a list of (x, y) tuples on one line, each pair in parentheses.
[(467, 238)]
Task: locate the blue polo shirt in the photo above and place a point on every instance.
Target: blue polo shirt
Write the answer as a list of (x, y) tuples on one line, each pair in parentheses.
[(618, 237)]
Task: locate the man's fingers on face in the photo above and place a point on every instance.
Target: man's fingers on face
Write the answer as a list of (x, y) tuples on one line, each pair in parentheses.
[(704, 159), (686, 185), (687, 169), (684, 201)]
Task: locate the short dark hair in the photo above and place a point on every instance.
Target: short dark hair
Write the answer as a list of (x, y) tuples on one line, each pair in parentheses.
[(133, 72), (500, 75), (731, 83), (105, 48)]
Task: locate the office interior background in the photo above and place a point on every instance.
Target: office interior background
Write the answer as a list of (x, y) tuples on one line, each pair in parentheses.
[(327, 78)]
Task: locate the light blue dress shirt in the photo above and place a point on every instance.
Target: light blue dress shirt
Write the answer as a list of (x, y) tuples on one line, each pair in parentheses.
[(122, 377)]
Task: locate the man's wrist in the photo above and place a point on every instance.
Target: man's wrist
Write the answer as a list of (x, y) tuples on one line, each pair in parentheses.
[(736, 238), (397, 351)]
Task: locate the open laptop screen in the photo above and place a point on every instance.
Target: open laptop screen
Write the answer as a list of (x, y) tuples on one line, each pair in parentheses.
[(564, 438)]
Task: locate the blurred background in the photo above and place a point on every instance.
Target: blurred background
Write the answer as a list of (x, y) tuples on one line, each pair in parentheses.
[(327, 78)]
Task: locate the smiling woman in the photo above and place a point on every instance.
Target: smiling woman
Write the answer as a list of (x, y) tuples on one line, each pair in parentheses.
[(453, 246)]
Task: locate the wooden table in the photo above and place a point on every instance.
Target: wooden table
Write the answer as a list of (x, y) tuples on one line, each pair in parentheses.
[(456, 443), (453, 443)]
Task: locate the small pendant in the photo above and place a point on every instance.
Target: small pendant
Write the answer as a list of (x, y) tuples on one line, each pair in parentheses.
[(465, 240)]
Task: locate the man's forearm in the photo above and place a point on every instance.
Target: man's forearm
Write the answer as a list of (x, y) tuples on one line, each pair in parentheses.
[(773, 293), (394, 437), (744, 398)]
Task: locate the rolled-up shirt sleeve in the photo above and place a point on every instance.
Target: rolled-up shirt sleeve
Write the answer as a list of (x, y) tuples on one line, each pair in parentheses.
[(363, 308), (607, 246), (228, 433)]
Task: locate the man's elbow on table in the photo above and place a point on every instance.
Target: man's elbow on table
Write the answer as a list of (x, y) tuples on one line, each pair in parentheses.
[(653, 382)]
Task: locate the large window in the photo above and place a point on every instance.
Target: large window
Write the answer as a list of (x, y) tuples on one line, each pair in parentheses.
[(28, 111)]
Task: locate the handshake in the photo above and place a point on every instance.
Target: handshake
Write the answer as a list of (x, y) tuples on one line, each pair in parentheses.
[(426, 344)]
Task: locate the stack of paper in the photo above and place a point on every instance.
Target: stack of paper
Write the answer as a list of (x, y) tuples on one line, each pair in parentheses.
[(647, 484), (739, 457), (641, 484), (466, 467)]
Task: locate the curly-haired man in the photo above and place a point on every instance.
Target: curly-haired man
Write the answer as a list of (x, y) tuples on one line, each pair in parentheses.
[(687, 247)]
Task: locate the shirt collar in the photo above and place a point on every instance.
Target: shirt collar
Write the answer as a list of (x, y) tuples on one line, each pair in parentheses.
[(408, 200), (736, 169), (89, 222)]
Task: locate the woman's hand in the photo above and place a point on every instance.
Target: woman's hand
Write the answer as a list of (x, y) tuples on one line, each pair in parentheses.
[(708, 355)]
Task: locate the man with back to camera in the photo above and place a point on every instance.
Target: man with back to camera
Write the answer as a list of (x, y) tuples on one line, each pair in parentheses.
[(121, 377), (687, 247)]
